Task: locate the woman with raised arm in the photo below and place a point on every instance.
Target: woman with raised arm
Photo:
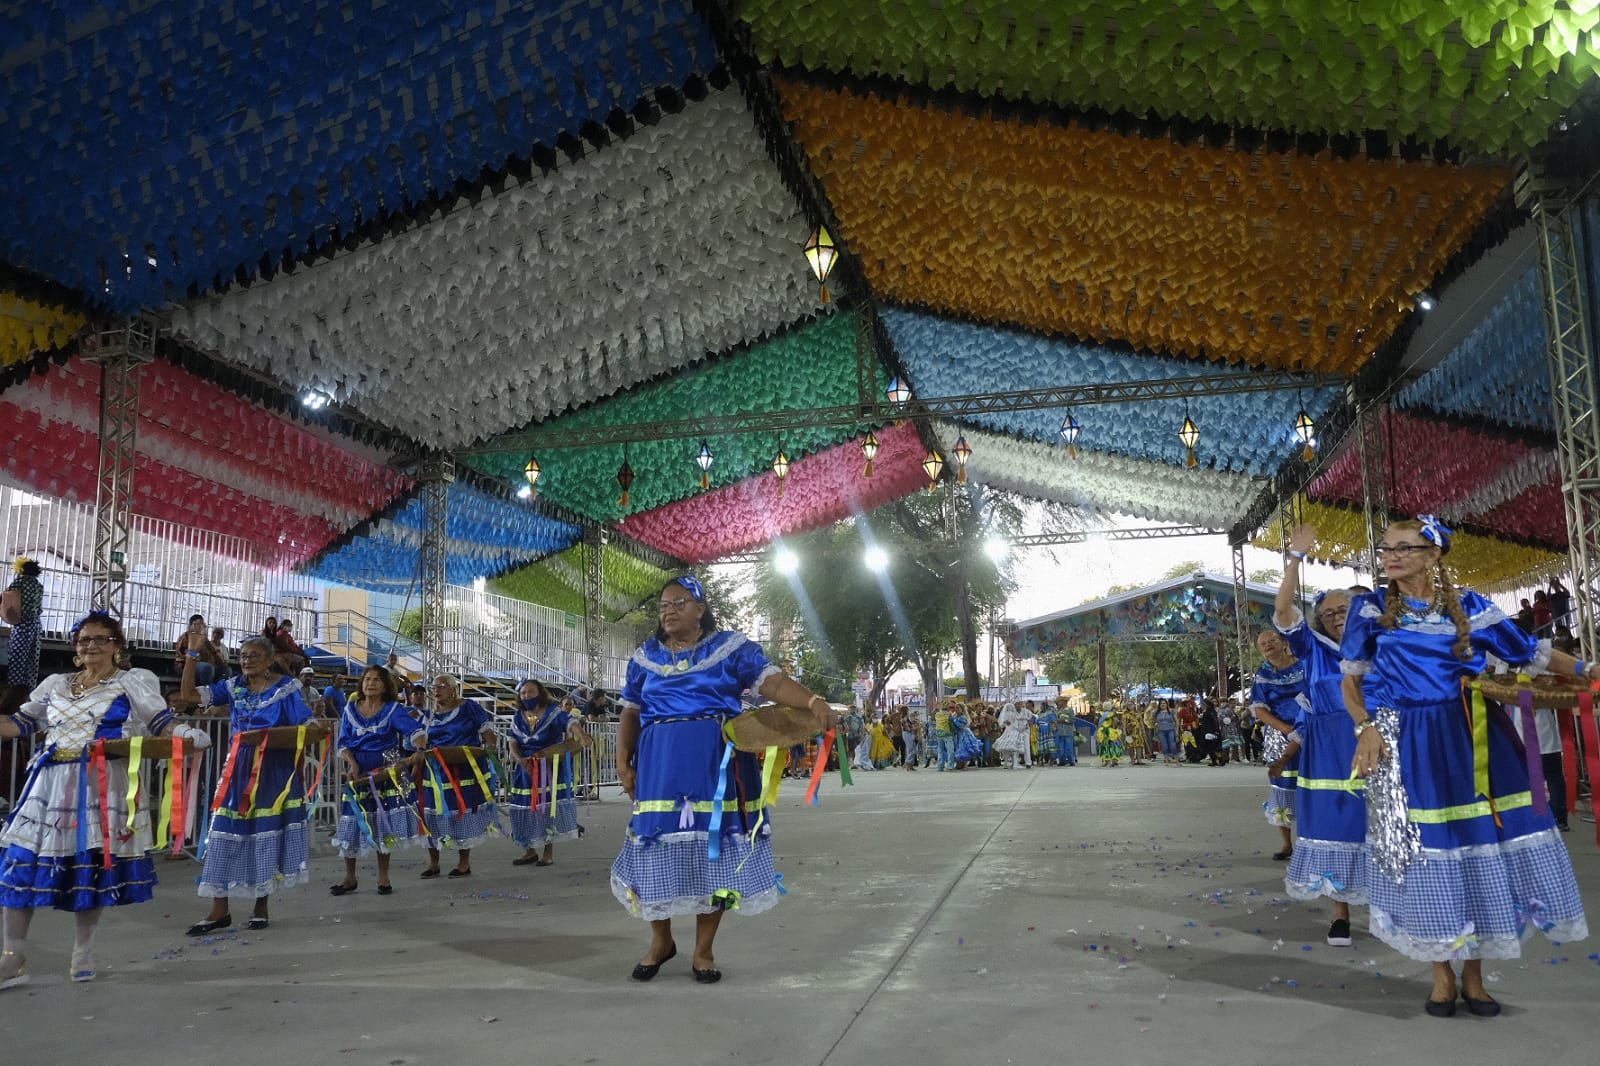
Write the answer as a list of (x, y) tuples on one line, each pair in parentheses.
[(258, 841), (546, 810), (378, 810), (55, 839), (1330, 847), (1465, 864), (682, 685)]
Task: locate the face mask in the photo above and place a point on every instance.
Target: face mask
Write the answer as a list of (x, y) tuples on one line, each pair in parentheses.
[(531, 705)]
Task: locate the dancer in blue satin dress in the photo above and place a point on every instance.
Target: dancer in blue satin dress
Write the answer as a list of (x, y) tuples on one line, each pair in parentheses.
[(1330, 818), (1278, 699), (457, 808), (258, 841), (541, 816), (1475, 865), (378, 812), (682, 685)]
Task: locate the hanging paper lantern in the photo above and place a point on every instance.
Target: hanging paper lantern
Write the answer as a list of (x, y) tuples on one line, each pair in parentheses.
[(704, 460), (962, 451), (1306, 429), (780, 467), (821, 254), (932, 465), (898, 391), (531, 472), (1069, 433), (625, 479), (869, 448), (1190, 436)]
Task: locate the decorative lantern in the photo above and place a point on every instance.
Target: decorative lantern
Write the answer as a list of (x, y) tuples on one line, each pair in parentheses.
[(625, 479), (962, 452), (780, 467), (932, 465), (1306, 429), (869, 448), (821, 254), (704, 460), (899, 392), (1190, 436), (1069, 433), (531, 472)]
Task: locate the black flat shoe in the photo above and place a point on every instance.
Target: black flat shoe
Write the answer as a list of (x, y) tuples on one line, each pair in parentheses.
[(432, 871), (706, 977), (1446, 1009), (1283, 856), (257, 922), (646, 970), (1481, 1008), (385, 890), (209, 926), (524, 861), (342, 889), (458, 872)]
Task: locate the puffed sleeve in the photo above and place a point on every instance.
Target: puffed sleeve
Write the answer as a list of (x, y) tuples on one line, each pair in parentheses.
[(346, 734), (1496, 635), (750, 665), (216, 694), (1360, 641), (147, 707), (1298, 636), (633, 686), (480, 717), (34, 714), (292, 709)]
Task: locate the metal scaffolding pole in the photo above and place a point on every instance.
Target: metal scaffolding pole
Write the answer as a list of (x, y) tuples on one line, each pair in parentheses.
[(1374, 482), (1572, 375), (120, 353), (594, 615), (435, 473), (1240, 612)]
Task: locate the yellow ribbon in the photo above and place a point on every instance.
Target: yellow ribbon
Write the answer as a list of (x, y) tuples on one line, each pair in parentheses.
[(1479, 719), (135, 756), (1481, 809), (477, 772), (288, 786)]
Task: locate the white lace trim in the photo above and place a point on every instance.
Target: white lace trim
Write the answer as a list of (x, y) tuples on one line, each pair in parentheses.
[(264, 888), (1542, 838), (1355, 667), (1332, 845), (687, 905), (734, 642), (1295, 890), (1499, 946)]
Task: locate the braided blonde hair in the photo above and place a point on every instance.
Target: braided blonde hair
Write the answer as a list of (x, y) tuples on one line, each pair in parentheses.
[(1448, 595)]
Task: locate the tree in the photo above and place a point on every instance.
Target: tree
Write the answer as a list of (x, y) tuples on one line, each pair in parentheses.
[(1188, 665), (1268, 576)]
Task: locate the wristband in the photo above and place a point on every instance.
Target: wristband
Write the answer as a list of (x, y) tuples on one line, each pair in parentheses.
[(1580, 668), (192, 654), (1301, 556)]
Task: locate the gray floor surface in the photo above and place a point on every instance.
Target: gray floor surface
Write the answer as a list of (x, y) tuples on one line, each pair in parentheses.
[(1125, 915)]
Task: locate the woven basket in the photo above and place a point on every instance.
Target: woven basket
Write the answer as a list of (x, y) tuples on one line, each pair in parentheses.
[(1549, 690), (772, 726)]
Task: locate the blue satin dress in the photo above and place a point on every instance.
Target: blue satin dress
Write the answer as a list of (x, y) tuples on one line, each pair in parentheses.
[(1283, 692), (683, 700), (533, 823), (1490, 871), (458, 821), (1330, 847), (380, 814)]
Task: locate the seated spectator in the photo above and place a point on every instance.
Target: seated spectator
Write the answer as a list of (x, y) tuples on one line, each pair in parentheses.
[(217, 640), (209, 664), (400, 673), (1541, 614), (291, 656)]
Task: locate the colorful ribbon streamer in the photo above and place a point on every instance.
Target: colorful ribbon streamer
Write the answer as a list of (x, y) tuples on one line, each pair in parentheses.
[(714, 826)]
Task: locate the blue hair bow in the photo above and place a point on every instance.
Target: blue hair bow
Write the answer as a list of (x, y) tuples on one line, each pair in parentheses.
[(1434, 531), (692, 584)]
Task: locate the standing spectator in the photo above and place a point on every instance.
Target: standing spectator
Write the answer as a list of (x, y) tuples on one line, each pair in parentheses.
[(1541, 614), (308, 686), (1548, 735), (290, 654), (20, 606), (1065, 736), (209, 664), (401, 675), (908, 738), (1560, 603), (1167, 732), (944, 738)]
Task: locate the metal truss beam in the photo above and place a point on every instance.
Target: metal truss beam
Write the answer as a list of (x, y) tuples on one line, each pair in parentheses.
[(1037, 540), (594, 583), (1572, 376), (1241, 603), (435, 473), (120, 354), (863, 415)]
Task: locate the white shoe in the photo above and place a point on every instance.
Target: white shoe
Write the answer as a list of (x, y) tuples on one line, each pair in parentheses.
[(13, 970), (82, 970)]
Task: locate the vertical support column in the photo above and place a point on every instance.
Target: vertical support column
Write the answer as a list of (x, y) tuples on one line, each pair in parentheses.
[(1105, 687), (437, 471), (594, 615), (1374, 482), (1222, 667), (120, 353), (1241, 604), (1572, 377)]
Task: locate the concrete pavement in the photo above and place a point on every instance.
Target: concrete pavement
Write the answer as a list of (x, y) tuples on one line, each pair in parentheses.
[(990, 916)]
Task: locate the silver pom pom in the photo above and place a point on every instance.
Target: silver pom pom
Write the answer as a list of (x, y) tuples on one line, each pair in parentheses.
[(1392, 839)]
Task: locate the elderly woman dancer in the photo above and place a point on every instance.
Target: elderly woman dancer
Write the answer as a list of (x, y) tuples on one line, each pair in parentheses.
[(378, 810), (55, 842), (686, 852), (463, 820), (1467, 863), (1330, 849), (1014, 736), (1278, 699), (258, 840), (539, 723)]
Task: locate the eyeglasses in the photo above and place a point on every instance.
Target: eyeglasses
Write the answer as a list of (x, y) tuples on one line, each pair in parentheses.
[(1401, 550), (674, 605), (94, 642)]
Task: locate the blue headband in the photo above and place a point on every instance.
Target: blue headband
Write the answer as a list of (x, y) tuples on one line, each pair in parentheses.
[(692, 585), (103, 617), (1435, 532)]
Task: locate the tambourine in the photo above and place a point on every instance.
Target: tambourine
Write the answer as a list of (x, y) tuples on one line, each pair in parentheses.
[(772, 726), (1549, 690), (286, 736)]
